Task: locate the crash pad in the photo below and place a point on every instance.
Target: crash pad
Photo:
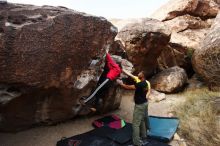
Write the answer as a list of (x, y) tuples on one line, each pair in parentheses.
[(105, 136), (163, 128)]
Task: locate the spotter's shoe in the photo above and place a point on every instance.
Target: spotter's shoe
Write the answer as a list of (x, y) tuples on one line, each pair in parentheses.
[(144, 142)]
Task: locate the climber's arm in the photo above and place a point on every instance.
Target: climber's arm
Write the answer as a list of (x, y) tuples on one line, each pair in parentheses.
[(128, 73), (128, 87), (135, 78)]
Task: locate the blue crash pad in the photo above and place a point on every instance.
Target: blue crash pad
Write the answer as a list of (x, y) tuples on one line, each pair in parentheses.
[(163, 128)]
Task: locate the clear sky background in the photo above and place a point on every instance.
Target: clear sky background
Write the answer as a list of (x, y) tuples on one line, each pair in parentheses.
[(106, 8)]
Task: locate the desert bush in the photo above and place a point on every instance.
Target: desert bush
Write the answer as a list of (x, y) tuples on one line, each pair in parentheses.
[(199, 119)]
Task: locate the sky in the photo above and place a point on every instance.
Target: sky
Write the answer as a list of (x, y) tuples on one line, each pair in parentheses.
[(122, 9)]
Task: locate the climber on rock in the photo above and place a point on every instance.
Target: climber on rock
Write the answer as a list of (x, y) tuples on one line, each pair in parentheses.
[(111, 71)]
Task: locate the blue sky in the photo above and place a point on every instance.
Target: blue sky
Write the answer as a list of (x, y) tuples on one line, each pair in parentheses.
[(106, 8)]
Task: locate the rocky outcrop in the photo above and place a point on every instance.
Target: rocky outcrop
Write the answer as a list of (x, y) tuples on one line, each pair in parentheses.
[(175, 55), (187, 21), (190, 21), (206, 59), (206, 9), (49, 58), (189, 39), (175, 8), (144, 42), (170, 80), (188, 30)]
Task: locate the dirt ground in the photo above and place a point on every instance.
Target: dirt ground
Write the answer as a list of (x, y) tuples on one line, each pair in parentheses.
[(49, 135)]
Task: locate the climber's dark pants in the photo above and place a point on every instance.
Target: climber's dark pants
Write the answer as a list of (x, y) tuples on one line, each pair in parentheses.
[(102, 86)]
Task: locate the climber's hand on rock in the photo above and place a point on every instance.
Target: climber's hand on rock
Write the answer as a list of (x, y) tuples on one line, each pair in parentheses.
[(107, 50), (120, 82)]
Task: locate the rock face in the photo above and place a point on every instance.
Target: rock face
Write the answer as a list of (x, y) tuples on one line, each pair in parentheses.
[(187, 21), (189, 39), (47, 61), (144, 42), (217, 1), (170, 80), (206, 59), (190, 21), (207, 8), (175, 55), (117, 48), (175, 8)]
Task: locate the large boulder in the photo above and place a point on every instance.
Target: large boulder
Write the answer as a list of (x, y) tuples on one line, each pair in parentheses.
[(190, 21), (49, 57), (206, 59), (144, 42), (170, 80)]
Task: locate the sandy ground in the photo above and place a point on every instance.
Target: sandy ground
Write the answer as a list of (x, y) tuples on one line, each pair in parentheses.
[(49, 135)]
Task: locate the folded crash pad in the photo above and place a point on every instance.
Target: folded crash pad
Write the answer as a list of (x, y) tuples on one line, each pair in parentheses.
[(105, 136), (163, 128)]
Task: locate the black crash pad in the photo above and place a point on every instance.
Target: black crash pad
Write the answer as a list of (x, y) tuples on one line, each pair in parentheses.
[(105, 136)]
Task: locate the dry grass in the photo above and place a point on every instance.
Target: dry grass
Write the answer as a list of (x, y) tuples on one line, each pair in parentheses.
[(199, 119)]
